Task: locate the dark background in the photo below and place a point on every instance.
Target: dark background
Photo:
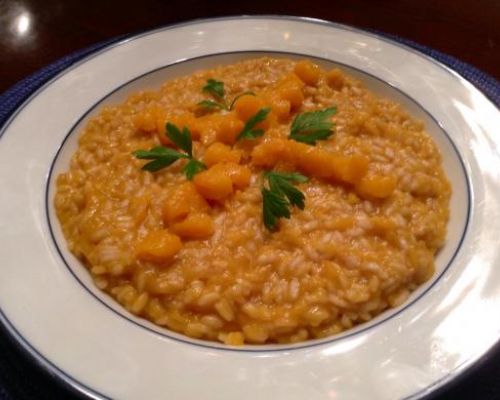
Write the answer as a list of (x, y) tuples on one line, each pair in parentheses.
[(34, 33), (466, 29)]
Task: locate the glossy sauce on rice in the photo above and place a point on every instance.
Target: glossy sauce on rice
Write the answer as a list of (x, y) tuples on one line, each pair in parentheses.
[(198, 259)]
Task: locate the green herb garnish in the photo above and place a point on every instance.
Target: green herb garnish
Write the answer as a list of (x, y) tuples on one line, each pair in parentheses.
[(311, 126), (216, 89), (163, 156), (210, 105), (274, 207), (248, 131), (182, 139), (193, 167), (280, 196)]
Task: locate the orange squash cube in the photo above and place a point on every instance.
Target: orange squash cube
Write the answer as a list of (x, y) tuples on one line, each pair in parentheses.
[(350, 169), (158, 246), (293, 94), (290, 88), (195, 226), (247, 106), (308, 72), (207, 126), (291, 79), (315, 162), (218, 153), (147, 120), (239, 174), (335, 79), (213, 184), (183, 200), (270, 152), (144, 121), (377, 186), (281, 108), (229, 128)]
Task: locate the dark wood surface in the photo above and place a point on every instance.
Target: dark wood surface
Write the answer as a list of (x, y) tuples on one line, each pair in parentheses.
[(34, 33), (466, 29)]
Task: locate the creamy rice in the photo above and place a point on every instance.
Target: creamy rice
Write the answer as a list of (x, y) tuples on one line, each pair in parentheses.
[(350, 254)]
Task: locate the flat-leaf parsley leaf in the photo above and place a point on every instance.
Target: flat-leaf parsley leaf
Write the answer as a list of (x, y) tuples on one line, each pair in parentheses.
[(193, 167), (280, 196), (215, 88), (248, 131), (182, 139), (164, 156), (210, 105), (311, 126)]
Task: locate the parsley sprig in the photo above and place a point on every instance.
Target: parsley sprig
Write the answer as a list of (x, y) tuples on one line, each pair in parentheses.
[(280, 196), (249, 131), (210, 105), (163, 156), (216, 89), (310, 127)]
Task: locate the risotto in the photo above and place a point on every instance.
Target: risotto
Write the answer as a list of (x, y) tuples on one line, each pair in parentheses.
[(268, 201)]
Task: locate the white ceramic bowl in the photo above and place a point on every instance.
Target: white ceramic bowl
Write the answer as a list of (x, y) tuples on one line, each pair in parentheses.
[(49, 304)]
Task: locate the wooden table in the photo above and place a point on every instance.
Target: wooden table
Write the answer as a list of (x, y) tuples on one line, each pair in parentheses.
[(34, 33)]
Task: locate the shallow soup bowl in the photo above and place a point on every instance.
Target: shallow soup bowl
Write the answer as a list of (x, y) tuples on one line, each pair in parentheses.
[(50, 304)]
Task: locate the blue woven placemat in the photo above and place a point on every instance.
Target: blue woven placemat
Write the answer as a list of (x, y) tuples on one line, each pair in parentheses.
[(19, 377)]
